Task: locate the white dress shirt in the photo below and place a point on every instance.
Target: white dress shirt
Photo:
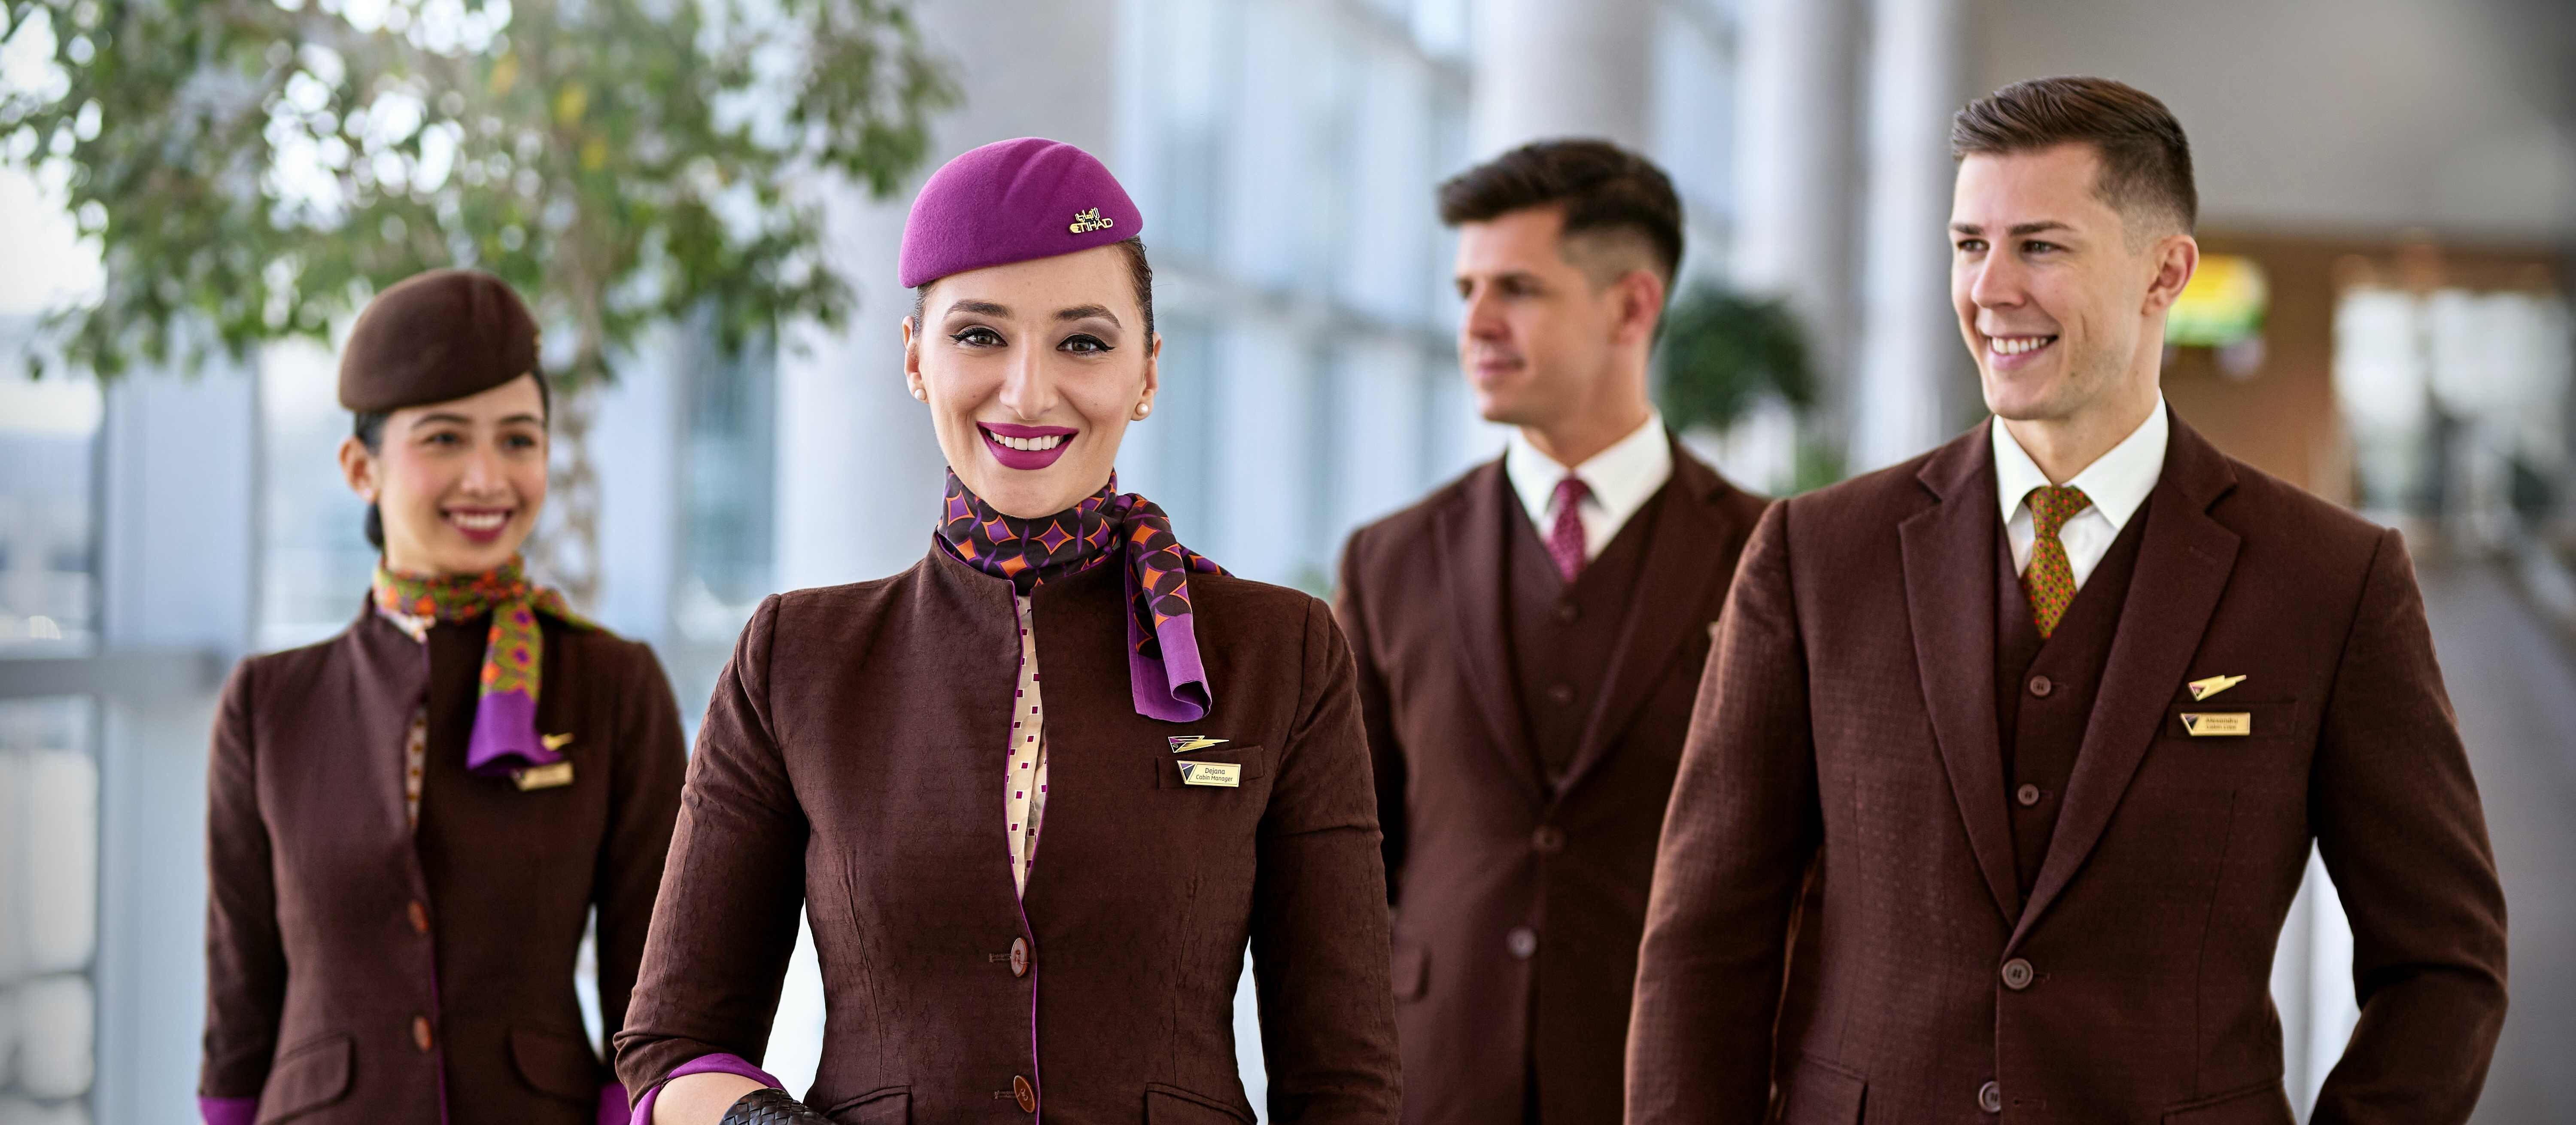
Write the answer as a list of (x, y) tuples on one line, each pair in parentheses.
[(2117, 482), (1621, 479)]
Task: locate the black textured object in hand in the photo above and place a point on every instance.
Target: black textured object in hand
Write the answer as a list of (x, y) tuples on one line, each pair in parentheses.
[(770, 1106)]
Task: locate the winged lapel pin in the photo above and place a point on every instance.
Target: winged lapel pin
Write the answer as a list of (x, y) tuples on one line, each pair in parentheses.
[(1184, 743), (2203, 689)]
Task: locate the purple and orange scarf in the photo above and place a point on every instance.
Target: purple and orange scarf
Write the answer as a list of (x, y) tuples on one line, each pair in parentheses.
[(1163, 669), (505, 738)]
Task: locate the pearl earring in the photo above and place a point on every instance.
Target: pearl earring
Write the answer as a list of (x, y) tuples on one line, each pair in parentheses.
[(1143, 409)]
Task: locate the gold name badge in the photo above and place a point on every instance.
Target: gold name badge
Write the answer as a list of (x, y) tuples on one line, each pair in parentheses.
[(544, 777), (2209, 724), (1226, 774)]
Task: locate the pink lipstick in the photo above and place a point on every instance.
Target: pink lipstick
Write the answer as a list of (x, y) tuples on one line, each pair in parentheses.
[(1025, 447)]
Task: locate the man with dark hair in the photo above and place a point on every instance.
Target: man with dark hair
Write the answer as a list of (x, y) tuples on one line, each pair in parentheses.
[(1528, 639), (2041, 727)]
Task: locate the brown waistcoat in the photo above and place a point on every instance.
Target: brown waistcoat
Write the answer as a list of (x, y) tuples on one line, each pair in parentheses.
[(1520, 892), (850, 769), (351, 962), (2045, 688), (1563, 634), (1847, 738)]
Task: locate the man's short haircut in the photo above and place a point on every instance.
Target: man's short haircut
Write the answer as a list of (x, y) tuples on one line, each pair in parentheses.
[(2146, 160), (1604, 189)]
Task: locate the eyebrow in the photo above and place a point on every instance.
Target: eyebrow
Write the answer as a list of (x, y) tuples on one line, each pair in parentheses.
[(461, 420), (979, 308), (1086, 312), (2016, 230)]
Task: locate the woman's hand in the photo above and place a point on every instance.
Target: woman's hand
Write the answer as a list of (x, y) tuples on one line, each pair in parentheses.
[(700, 1099)]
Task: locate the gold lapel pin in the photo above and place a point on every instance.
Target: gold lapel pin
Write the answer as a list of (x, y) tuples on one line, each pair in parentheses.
[(543, 777), (1183, 744), (556, 741), (2203, 689), (1084, 222)]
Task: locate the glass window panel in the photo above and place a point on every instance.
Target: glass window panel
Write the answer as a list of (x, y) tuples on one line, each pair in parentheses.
[(315, 563), (729, 477), (48, 907), (48, 450)]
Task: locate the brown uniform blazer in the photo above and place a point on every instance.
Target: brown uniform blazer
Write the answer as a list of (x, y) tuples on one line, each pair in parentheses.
[(1848, 723), (1479, 844), (349, 961), (851, 764)]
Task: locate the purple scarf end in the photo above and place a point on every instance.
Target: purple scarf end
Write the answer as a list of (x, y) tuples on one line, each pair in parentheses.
[(505, 736), (1175, 688), (227, 1111)]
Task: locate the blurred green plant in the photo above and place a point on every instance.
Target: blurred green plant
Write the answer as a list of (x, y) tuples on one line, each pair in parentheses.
[(253, 169), (1722, 352)]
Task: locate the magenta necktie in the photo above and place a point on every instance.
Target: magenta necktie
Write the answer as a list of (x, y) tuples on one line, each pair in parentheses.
[(1565, 539)]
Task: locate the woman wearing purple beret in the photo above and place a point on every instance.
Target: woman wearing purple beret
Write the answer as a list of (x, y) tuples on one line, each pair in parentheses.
[(1038, 791), (412, 823)]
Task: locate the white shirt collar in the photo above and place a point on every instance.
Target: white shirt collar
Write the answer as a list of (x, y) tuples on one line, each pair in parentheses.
[(1621, 478), (2117, 481)]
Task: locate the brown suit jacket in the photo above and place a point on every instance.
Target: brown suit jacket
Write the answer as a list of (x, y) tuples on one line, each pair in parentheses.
[(339, 941), (1847, 724), (1479, 844), (851, 764)]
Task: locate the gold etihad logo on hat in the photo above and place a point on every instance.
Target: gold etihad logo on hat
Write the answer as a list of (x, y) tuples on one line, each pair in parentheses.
[(1085, 222)]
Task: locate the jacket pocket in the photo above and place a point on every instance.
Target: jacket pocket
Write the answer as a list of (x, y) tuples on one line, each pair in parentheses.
[(2263, 1103), (889, 1106), (558, 1065), (314, 1074), (1171, 1105), (1167, 769), (1412, 970), (1820, 1093)]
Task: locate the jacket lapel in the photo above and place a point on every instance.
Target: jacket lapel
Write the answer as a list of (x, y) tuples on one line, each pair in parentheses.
[(1949, 552), (1470, 549), (388, 680), (1679, 574), (2183, 565)]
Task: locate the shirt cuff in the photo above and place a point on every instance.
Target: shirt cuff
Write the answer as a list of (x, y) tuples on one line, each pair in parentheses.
[(228, 1111), (703, 1064), (612, 1104)]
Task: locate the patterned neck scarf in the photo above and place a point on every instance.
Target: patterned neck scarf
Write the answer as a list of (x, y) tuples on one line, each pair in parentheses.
[(1163, 669), (505, 738)]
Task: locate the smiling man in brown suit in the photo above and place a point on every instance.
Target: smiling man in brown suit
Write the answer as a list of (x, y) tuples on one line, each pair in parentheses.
[(1528, 640), (2051, 717)]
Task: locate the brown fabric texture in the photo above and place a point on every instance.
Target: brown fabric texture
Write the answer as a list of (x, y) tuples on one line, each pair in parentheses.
[(316, 968), (436, 337), (1483, 838), (850, 765), (1847, 725)]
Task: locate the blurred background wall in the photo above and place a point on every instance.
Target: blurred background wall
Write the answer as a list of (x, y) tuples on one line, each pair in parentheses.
[(2397, 179)]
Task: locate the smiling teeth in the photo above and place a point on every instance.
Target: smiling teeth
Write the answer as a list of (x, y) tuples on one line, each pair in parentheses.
[(486, 521), (2016, 345), (1030, 444)]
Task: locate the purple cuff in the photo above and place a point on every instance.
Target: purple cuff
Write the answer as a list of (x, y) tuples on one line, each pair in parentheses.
[(703, 1064), (228, 1111), (612, 1104)]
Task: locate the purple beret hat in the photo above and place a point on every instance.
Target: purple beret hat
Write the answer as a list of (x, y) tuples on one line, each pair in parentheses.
[(1013, 201)]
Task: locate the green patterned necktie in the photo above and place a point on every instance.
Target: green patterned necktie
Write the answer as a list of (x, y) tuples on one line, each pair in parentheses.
[(2049, 580)]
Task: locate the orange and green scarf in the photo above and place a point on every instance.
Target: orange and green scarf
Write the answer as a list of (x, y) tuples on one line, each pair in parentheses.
[(505, 738)]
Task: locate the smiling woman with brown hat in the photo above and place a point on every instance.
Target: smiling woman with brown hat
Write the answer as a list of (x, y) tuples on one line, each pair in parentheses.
[(411, 823), (888, 759)]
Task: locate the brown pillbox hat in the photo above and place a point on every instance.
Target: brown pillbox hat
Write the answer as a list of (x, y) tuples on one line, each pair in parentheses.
[(436, 337)]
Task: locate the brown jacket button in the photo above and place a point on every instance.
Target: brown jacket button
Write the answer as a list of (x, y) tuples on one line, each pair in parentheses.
[(1522, 941), (1549, 839), (2028, 795), (420, 1033), (1027, 1094), (2018, 974), (2041, 686), (419, 916), (1560, 694), (1019, 957), (1990, 1098)]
